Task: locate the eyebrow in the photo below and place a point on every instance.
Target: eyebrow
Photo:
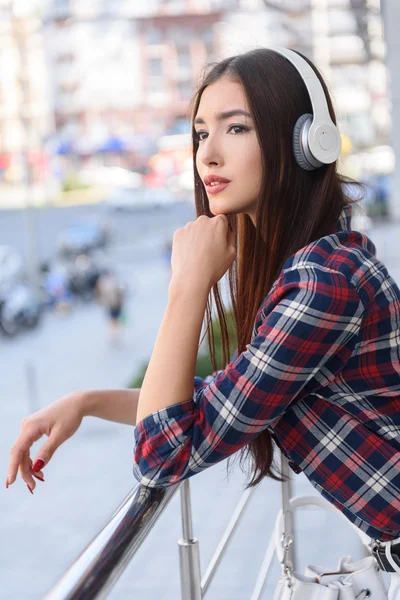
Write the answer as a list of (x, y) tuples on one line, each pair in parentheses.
[(225, 115)]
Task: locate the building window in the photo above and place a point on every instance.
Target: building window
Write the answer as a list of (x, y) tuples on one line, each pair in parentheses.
[(207, 35), (154, 36), (185, 90), (181, 36), (176, 7), (155, 67), (156, 85), (68, 88), (184, 65), (67, 57)]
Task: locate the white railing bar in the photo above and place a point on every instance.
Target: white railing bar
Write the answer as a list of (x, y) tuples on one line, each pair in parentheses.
[(186, 511), (264, 571), (226, 538)]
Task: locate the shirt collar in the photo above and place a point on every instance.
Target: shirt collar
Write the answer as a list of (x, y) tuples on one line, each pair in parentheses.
[(344, 222)]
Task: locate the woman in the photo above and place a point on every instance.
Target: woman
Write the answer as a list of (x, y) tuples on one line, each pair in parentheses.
[(317, 317)]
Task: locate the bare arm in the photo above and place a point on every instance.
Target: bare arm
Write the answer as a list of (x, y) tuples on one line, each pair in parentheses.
[(119, 406), (202, 252), (174, 355)]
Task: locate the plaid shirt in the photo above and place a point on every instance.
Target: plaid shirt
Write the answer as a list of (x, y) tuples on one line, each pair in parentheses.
[(321, 373)]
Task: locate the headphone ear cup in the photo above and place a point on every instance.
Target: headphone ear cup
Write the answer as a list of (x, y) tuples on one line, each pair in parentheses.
[(302, 123)]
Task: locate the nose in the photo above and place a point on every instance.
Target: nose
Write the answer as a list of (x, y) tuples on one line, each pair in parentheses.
[(210, 153)]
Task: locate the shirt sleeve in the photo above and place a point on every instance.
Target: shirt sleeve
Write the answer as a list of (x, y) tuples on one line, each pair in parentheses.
[(199, 382), (309, 323)]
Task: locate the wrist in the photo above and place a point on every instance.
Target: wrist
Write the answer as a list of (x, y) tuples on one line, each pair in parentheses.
[(85, 401), (180, 287)]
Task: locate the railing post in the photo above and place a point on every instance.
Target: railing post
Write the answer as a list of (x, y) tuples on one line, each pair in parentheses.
[(288, 518), (189, 552)]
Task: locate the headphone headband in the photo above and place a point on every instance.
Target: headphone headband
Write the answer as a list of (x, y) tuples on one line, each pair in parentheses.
[(323, 136)]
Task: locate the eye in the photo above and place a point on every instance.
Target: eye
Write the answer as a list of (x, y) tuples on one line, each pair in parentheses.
[(238, 129), (241, 127), (198, 135)]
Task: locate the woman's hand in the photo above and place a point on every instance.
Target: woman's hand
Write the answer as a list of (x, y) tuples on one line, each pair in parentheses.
[(59, 421), (202, 251)]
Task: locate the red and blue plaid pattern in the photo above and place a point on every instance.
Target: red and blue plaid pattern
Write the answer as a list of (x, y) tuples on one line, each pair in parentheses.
[(322, 373)]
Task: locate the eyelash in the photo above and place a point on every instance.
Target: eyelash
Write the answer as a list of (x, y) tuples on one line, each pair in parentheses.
[(242, 127)]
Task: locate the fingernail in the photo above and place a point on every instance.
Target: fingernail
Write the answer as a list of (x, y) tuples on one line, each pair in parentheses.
[(7, 484), (38, 465), (38, 477), (30, 489)]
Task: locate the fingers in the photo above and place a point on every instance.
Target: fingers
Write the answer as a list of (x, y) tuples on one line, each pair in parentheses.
[(26, 473), (28, 435), (47, 450), (38, 474), (17, 454), (25, 469)]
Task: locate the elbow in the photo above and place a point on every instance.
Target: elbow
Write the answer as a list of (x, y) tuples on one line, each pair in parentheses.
[(165, 471), (155, 478), (149, 478)]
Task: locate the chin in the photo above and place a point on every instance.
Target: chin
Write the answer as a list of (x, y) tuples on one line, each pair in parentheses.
[(219, 211), (223, 210), (219, 208)]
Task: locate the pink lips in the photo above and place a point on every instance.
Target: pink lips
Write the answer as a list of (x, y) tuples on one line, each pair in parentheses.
[(221, 183), (214, 189)]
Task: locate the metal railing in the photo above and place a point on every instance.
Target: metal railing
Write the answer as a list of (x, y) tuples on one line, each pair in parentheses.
[(99, 566)]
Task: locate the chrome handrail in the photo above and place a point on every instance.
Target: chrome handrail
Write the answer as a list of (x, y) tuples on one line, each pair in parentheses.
[(98, 568), (100, 565)]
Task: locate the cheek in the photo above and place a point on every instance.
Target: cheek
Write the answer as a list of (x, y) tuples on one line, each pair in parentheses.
[(250, 168), (255, 168)]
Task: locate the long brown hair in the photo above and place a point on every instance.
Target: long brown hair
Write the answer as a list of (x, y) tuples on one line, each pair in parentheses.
[(295, 207)]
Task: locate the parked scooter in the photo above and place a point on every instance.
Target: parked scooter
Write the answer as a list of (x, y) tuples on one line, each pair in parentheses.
[(83, 274), (19, 309)]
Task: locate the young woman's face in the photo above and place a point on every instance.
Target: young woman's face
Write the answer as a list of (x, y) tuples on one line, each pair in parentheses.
[(228, 148)]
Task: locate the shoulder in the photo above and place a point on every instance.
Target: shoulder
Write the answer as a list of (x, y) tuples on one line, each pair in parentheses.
[(349, 254), (342, 252), (324, 275)]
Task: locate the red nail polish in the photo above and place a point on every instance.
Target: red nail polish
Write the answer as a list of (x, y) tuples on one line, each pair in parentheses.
[(38, 465), (38, 477), (30, 489), (7, 484)]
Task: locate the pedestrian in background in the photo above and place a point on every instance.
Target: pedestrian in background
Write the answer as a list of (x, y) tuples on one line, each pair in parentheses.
[(317, 314), (111, 294), (56, 286)]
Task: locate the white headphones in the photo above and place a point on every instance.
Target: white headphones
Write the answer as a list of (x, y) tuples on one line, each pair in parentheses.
[(316, 139)]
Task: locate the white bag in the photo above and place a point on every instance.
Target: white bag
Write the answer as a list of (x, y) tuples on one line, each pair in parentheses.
[(352, 580), (356, 581)]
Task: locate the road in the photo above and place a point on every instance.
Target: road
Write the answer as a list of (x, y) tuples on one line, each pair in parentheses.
[(91, 474), (127, 226)]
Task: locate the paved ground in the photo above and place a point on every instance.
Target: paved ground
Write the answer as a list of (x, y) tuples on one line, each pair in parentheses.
[(90, 475)]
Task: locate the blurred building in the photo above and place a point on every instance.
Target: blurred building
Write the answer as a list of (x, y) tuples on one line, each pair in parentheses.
[(127, 69), (391, 14), (345, 40), (25, 108)]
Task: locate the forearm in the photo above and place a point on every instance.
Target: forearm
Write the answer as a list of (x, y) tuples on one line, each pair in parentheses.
[(170, 373), (119, 406)]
